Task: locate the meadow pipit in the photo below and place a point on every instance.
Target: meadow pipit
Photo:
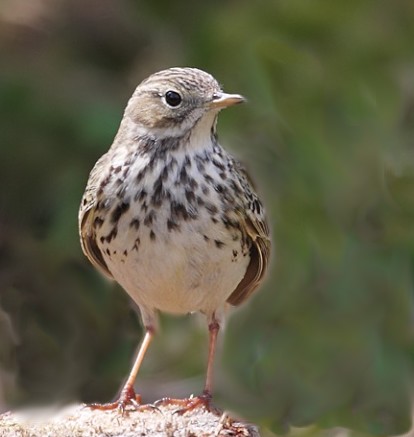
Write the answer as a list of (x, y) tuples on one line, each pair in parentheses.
[(170, 215)]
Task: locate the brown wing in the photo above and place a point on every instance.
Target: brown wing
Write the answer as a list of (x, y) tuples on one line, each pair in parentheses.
[(86, 217), (256, 231)]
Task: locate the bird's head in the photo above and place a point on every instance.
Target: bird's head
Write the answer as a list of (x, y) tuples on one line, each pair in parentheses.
[(172, 102)]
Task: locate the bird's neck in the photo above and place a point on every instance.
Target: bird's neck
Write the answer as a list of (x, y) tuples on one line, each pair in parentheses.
[(199, 137), (203, 133)]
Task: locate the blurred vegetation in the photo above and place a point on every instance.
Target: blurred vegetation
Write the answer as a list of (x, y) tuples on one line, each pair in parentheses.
[(327, 134)]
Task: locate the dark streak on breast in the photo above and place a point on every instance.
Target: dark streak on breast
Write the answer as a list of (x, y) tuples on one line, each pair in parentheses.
[(135, 223), (149, 219), (172, 225), (122, 208), (98, 222)]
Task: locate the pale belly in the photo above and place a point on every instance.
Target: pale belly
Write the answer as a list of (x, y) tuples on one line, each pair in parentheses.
[(192, 267)]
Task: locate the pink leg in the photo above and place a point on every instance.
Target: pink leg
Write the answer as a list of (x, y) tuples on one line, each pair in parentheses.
[(205, 399), (213, 328), (128, 395)]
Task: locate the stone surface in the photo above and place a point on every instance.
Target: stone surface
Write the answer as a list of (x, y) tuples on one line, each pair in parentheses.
[(80, 421)]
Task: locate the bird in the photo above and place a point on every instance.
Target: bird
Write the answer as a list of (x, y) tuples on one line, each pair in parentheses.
[(172, 216)]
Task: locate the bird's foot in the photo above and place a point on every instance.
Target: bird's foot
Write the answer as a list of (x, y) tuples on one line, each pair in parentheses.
[(190, 404), (127, 398)]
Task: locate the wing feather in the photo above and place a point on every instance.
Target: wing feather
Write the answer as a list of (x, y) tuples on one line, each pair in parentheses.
[(87, 216), (256, 232)]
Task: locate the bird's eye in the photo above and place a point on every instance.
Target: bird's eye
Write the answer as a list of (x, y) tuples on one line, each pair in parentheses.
[(172, 98)]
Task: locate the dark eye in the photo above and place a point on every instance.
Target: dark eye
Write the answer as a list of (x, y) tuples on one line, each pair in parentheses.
[(172, 98)]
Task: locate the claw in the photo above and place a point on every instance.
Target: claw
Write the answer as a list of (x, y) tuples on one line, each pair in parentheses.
[(190, 404), (127, 398)]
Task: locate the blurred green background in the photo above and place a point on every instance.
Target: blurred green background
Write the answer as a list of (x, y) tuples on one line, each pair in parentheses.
[(328, 136)]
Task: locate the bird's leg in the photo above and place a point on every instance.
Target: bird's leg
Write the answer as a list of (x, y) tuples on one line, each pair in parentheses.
[(204, 399), (128, 395), (213, 329)]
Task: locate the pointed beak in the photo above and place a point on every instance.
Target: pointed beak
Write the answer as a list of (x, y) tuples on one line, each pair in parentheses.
[(223, 100)]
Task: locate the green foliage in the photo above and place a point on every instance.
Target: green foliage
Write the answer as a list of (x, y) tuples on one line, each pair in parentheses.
[(327, 135)]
